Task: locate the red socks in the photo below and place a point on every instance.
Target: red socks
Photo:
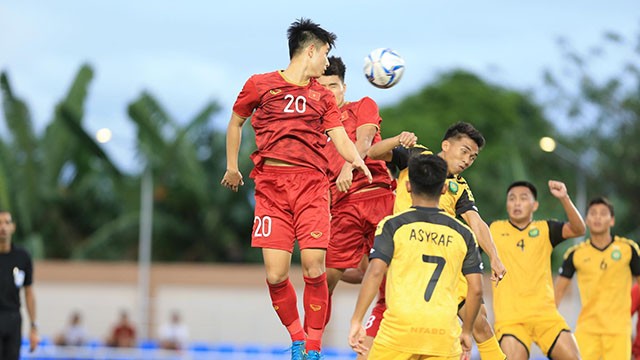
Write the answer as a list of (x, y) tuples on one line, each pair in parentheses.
[(285, 303), (316, 309), (315, 299)]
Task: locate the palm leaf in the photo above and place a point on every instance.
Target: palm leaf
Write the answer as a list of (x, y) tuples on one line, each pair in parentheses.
[(86, 141)]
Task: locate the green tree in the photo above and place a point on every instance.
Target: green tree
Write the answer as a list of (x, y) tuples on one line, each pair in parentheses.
[(194, 219), (52, 181), (604, 113), (511, 122)]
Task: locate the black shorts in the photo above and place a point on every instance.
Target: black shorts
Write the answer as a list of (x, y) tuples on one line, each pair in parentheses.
[(10, 335)]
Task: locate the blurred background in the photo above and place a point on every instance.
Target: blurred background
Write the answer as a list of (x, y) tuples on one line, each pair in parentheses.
[(113, 119)]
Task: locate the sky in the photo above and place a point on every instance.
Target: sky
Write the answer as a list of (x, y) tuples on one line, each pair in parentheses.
[(191, 52)]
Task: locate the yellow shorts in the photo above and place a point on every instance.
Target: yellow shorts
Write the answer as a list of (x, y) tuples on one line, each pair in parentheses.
[(605, 347), (543, 332), (381, 352)]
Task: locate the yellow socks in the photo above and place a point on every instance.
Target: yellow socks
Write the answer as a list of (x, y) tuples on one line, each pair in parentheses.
[(490, 350)]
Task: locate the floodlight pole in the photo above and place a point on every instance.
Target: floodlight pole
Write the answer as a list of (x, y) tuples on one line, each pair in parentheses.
[(144, 251)]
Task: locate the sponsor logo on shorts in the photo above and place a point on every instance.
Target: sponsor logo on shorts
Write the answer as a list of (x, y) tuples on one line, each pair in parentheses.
[(315, 307), (316, 234)]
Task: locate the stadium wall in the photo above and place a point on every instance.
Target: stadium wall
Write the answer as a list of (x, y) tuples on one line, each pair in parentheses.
[(219, 303)]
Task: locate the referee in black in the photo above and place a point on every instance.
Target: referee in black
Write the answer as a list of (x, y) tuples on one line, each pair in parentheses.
[(16, 273)]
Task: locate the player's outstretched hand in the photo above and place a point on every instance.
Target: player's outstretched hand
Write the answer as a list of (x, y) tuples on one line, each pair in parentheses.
[(407, 139), (357, 335), (344, 180), (232, 179), (558, 189), (465, 341), (498, 271), (359, 165)]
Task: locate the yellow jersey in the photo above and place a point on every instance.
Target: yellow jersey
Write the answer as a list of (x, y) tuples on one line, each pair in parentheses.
[(426, 250), (526, 293), (458, 198), (604, 281)]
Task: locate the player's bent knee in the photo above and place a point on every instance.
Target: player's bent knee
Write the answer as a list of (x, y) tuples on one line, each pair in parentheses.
[(276, 278), (482, 329)]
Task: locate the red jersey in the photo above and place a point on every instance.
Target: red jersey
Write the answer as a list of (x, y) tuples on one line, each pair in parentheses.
[(354, 115), (635, 307), (290, 120)]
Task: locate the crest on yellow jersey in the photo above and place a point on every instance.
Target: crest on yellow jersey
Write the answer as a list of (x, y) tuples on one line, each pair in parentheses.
[(616, 254), (453, 187)]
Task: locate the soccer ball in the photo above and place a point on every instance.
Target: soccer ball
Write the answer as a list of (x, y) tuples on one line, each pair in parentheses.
[(383, 68)]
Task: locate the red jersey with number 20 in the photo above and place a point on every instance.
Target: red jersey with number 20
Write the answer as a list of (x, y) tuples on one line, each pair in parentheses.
[(354, 115), (289, 119)]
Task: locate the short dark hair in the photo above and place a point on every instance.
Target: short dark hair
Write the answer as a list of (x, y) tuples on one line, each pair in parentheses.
[(336, 67), (601, 200), (462, 128), (303, 31), (526, 184), (427, 174)]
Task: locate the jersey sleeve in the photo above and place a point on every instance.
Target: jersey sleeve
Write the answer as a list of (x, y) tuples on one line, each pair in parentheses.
[(635, 260), (400, 157), (472, 263), (567, 269), (368, 113), (28, 276), (248, 99), (383, 246), (331, 118), (465, 203), (555, 232)]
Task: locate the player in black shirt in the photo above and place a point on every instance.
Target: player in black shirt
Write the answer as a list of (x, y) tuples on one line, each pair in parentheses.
[(16, 273)]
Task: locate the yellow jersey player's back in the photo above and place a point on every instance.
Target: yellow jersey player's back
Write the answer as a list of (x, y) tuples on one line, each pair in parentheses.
[(460, 147), (429, 249), (424, 250)]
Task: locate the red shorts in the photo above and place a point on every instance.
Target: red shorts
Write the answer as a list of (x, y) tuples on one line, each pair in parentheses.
[(292, 202), (377, 313), (353, 226)]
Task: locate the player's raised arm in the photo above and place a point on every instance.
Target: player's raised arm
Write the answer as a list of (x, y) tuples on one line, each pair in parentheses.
[(232, 178), (364, 136), (382, 150), (347, 150), (575, 227)]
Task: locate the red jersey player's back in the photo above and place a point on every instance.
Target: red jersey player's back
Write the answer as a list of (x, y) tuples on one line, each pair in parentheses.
[(354, 115), (289, 120)]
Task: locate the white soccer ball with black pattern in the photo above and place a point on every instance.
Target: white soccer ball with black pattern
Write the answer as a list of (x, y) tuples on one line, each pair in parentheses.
[(383, 68)]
